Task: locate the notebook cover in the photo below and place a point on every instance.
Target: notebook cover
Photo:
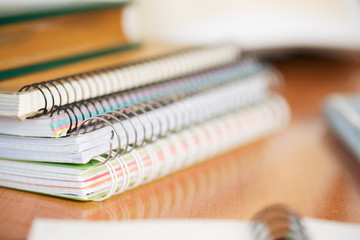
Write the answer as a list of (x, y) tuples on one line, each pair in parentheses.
[(11, 85), (21, 13), (39, 44)]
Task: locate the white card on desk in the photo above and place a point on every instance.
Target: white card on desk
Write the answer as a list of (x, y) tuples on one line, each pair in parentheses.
[(134, 230), (176, 229)]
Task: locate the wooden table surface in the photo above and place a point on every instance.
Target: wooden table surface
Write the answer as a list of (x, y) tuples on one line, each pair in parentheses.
[(304, 166)]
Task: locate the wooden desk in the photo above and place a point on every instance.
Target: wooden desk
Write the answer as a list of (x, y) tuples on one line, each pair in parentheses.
[(304, 166)]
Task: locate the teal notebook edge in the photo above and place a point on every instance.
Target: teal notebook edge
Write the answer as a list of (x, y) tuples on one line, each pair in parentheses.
[(58, 10), (65, 61)]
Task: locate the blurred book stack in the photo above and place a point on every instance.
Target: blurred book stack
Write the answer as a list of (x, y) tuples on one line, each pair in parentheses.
[(34, 39), (87, 113)]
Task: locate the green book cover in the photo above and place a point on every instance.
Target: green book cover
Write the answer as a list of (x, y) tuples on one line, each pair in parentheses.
[(17, 13)]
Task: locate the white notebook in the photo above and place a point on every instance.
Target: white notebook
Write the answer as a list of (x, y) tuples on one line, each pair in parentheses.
[(80, 147), (41, 97), (64, 119), (154, 160)]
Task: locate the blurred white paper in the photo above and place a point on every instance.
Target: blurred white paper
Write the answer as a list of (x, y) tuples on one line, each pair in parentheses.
[(176, 229), (138, 230), (254, 24)]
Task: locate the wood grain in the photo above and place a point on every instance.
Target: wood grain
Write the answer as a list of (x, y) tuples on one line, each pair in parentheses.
[(305, 166)]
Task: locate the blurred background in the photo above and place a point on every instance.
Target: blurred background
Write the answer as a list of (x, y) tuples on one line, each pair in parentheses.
[(253, 24)]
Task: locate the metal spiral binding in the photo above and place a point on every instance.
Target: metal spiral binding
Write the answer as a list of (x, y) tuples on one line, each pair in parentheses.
[(113, 99), (41, 86), (110, 99), (172, 61), (132, 95), (278, 222), (82, 118), (112, 117), (154, 164), (137, 112), (43, 110), (113, 131), (91, 123)]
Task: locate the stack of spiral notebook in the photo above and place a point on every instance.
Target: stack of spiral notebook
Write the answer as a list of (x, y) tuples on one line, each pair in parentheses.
[(96, 133)]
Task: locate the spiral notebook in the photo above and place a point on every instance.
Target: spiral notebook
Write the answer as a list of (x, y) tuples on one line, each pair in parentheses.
[(276, 222), (40, 93), (254, 76), (143, 164), (194, 99), (109, 130), (178, 229)]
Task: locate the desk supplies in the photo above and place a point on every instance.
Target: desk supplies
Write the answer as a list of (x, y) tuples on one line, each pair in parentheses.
[(141, 165), (178, 229), (251, 79), (25, 96), (99, 133), (278, 222), (343, 115)]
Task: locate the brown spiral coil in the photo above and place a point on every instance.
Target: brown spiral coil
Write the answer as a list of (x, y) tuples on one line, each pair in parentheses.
[(278, 222)]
